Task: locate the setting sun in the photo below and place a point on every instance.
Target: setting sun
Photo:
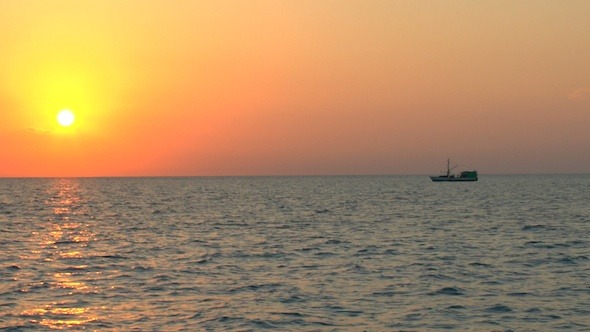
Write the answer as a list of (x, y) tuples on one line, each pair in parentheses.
[(65, 118)]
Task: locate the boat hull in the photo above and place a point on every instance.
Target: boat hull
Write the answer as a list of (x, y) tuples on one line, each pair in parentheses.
[(451, 179)]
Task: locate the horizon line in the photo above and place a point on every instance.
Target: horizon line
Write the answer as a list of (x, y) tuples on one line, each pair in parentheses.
[(269, 175)]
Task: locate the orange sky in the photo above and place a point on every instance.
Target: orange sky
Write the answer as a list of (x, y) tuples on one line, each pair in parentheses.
[(293, 87)]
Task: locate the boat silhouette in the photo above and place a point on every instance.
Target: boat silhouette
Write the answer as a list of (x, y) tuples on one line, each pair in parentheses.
[(450, 177)]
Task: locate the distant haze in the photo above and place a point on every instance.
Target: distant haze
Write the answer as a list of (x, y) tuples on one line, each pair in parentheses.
[(294, 87)]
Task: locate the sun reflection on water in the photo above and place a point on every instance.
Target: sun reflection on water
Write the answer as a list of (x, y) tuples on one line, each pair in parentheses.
[(62, 317), (64, 243)]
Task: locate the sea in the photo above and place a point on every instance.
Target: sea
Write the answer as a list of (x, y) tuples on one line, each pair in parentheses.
[(316, 253)]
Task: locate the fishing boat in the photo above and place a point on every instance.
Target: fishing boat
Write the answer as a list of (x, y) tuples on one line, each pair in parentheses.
[(449, 177)]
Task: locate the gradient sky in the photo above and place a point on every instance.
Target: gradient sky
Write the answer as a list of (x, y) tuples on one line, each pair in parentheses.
[(294, 87)]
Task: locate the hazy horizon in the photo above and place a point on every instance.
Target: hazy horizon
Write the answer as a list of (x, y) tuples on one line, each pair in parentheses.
[(224, 88), (425, 175)]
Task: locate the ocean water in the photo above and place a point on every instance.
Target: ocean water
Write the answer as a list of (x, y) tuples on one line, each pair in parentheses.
[(370, 253)]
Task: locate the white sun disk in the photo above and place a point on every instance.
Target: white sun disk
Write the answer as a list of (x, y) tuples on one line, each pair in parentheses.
[(65, 118)]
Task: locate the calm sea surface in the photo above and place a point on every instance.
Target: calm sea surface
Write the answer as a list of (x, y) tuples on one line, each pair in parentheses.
[(391, 253)]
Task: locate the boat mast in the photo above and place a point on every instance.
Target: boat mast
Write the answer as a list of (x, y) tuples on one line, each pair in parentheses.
[(448, 167)]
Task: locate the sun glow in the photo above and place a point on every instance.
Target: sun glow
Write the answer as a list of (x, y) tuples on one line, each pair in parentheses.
[(65, 118)]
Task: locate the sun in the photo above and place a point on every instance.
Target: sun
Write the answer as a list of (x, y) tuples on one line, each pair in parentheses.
[(65, 118)]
